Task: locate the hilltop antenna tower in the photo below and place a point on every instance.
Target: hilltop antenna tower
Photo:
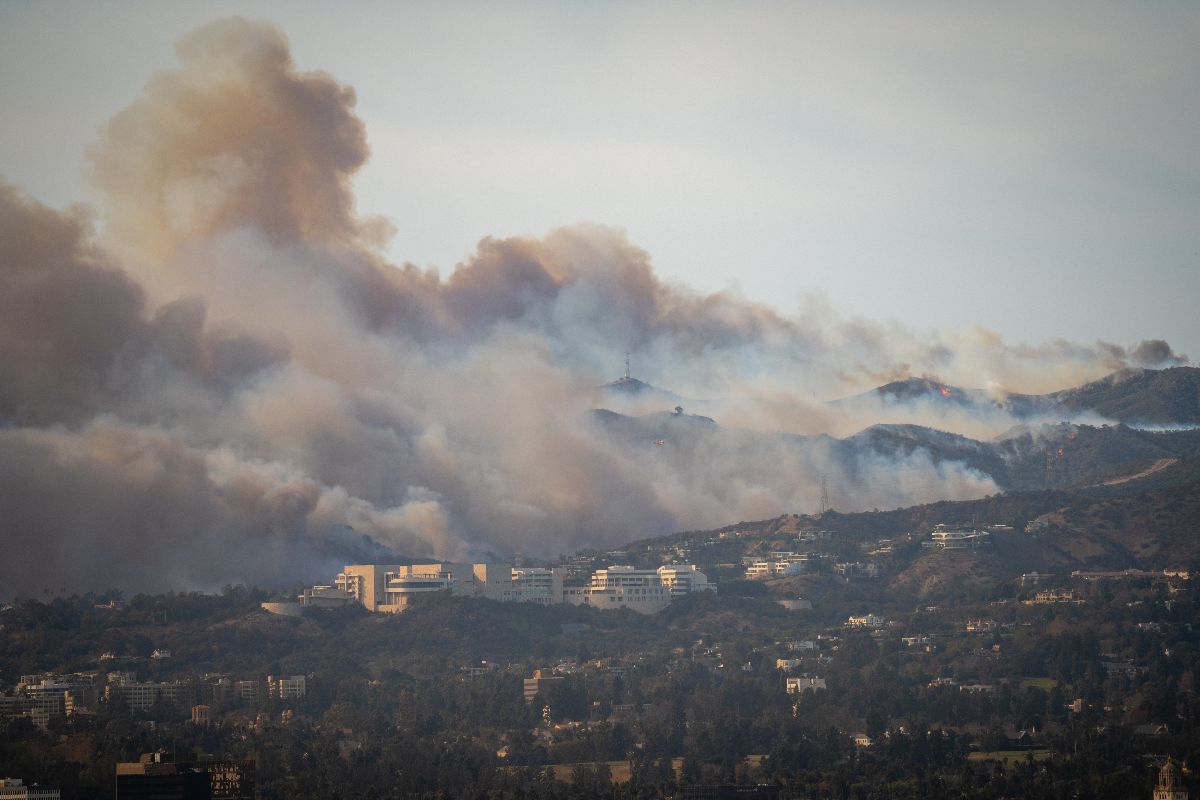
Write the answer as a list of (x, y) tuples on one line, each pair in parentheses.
[(626, 365), (824, 495)]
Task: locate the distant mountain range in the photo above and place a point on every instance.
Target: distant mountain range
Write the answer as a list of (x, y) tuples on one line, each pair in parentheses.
[(1141, 397), (1097, 460), (1133, 396)]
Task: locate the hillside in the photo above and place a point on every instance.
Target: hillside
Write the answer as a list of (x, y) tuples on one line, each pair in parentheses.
[(1150, 530), (1166, 396), (1142, 396)]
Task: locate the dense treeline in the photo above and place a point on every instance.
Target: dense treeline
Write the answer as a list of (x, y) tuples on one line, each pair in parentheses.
[(690, 695)]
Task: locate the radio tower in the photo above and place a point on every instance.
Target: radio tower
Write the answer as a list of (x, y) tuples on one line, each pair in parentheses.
[(626, 365), (824, 495)]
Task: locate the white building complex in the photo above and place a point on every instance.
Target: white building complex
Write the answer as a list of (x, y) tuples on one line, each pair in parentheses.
[(945, 538), (642, 590), (684, 579), (805, 683), (391, 588), (286, 687)]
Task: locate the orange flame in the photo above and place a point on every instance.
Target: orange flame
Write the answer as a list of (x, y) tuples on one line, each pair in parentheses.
[(943, 388)]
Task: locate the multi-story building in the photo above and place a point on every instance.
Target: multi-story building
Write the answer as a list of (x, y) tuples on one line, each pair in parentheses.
[(40, 709), (246, 691), (948, 539), (684, 579), (382, 587), (185, 776), (542, 679), (201, 715), (326, 597), (141, 696), (865, 621), (286, 688), (623, 587), (15, 789)]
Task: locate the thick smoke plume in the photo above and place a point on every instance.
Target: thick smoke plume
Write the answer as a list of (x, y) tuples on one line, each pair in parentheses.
[(230, 383)]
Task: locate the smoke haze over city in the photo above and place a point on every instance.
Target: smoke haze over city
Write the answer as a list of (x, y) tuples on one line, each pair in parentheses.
[(215, 374)]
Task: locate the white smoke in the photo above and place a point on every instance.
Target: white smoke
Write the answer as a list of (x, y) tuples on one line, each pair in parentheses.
[(231, 378)]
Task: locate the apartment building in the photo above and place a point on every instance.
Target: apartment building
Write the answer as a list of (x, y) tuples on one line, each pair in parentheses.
[(141, 696), (326, 597), (542, 680), (537, 585), (286, 688), (246, 691), (762, 570), (945, 538)]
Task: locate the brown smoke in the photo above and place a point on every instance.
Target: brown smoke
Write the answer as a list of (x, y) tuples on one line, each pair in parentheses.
[(234, 385), (235, 137)]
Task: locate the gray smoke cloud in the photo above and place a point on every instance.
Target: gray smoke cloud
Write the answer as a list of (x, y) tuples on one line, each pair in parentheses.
[(229, 382)]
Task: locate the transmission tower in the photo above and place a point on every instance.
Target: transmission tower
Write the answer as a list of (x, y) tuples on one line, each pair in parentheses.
[(626, 365), (824, 495)]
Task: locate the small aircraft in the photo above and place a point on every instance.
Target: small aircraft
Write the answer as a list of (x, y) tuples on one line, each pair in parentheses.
[(660, 441)]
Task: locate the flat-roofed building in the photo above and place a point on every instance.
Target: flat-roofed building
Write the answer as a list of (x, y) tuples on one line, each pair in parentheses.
[(382, 587), (185, 776), (493, 581), (542, 679), (805, 683), (15, 789), (121, 678), (537, 585), (286, 688), (141, 696), (762, 570), (684, 579), (623, 587), (246, 691)]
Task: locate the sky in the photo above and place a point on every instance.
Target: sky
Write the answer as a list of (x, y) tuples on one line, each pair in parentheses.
[(1028, 168), (285, 284)]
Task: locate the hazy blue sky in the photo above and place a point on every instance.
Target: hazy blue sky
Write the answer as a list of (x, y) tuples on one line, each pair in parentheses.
[(1031, 168)]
